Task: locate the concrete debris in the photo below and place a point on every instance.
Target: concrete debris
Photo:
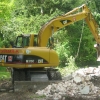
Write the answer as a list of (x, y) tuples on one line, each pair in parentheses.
[(77, 83), (77, 79), (85, 90)]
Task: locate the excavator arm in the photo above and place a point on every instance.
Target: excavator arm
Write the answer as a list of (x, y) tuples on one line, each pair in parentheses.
[(73, 16), (94, 29), (59, 22)]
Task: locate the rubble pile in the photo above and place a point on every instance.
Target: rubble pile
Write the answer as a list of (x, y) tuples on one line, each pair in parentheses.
[(81, 82)]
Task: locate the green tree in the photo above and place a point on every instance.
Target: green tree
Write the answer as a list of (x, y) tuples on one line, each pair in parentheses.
[(6, 7)]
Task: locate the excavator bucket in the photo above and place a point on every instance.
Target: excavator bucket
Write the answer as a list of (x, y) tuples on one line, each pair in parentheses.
[(97, 46)]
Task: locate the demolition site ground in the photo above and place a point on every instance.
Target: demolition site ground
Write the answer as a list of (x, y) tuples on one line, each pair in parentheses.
[(83, 84)]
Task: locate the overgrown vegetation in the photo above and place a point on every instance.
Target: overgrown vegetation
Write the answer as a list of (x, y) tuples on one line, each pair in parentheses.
[(69, 68), (4, 74)]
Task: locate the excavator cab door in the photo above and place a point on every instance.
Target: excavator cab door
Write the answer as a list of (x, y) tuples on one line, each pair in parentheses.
[(22, 41)]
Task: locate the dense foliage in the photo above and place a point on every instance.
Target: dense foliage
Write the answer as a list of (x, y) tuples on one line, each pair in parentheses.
[(27, 16)]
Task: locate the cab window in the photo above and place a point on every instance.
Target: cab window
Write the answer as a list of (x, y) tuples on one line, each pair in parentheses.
[(19, 41), (26, 41), (22, 41)]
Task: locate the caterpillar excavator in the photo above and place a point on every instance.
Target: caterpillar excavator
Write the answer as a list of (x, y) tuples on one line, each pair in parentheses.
[(31, 59)]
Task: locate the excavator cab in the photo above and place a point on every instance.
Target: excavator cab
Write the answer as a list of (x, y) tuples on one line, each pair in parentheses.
[(23, 40), (31, 40)]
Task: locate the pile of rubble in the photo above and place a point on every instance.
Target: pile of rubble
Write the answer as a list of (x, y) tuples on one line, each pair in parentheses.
[(82, 82)]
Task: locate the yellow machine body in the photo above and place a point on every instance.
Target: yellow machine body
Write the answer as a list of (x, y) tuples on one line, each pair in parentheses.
[(31, 57)]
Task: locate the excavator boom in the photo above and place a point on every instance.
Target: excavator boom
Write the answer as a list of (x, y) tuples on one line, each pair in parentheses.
[(73, 16)]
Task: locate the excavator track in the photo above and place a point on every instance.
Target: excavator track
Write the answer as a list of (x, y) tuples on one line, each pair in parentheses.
[(33, 79), (30, 80), (35, 74)]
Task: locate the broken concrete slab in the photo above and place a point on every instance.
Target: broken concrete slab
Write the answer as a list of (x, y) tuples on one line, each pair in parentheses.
[(85, 90)]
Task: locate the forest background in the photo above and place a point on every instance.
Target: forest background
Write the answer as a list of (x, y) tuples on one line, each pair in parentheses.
[(27, 16)]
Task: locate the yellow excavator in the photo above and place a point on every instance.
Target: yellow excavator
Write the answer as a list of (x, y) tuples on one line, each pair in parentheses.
[(31, 59)]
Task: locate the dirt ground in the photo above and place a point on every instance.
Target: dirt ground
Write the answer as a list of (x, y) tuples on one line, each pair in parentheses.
[(31, 96), (19, 96), (7, 94)]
